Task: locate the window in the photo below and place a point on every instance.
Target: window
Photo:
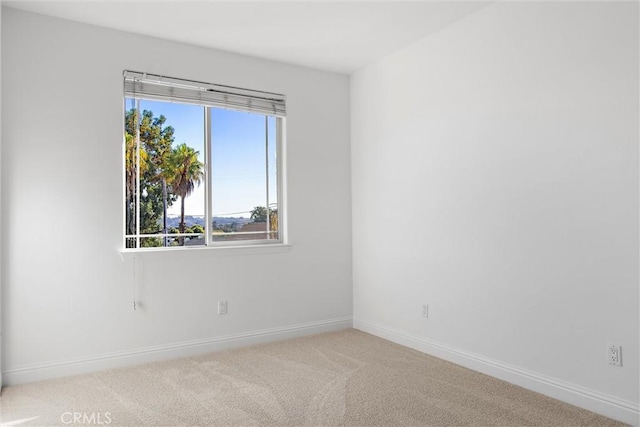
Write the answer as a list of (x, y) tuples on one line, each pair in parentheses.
[(202, 163)]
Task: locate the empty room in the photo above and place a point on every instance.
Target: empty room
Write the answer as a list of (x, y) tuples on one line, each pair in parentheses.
[(320, 213)]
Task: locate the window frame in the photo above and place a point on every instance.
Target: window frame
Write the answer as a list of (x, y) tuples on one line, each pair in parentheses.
[(209, 243)]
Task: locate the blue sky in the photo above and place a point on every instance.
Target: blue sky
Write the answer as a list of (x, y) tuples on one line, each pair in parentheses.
[(238, 156)]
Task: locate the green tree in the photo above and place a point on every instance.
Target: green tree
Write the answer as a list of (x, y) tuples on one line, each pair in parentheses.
[(259, 214), (131, 172), (185, 172), (156, 141)]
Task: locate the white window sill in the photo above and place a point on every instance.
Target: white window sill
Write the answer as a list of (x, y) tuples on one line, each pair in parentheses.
[(128, 254)]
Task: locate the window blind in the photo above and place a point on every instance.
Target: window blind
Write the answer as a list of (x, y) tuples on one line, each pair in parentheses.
[(162, 88)]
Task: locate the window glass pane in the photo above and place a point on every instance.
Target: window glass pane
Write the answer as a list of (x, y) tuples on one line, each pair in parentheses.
[(171, 173), (239, 175), (130, 166), (273, 178)]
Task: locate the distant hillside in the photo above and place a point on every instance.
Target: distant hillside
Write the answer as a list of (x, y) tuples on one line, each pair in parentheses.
[(174, 221)]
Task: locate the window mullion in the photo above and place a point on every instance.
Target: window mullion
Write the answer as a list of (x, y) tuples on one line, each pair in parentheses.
[(266, 158), (208, 176), (280, 177), (138, 173)]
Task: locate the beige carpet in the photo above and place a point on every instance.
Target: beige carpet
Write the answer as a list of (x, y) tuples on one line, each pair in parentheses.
[(339, 378)]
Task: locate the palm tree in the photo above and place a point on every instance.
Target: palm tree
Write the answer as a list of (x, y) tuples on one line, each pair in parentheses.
[(131, 166), (155, 141), (164, 173), (185, 173)]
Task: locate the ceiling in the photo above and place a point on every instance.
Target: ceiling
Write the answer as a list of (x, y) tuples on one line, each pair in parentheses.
[(334, 36)]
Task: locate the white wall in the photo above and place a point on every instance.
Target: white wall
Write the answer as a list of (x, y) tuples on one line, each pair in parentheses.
[(495, 178), (0, 198), (67, 303)]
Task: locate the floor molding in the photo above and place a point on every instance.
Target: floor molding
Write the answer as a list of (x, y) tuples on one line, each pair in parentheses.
[(609, 406), (62, 368)]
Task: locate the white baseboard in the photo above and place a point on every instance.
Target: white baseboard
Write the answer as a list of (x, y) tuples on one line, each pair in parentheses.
[(609, 406), (63, 368)]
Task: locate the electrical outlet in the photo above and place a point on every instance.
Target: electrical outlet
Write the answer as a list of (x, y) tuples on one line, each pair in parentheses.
[(222, 307), (614, 355), (425, 310)]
